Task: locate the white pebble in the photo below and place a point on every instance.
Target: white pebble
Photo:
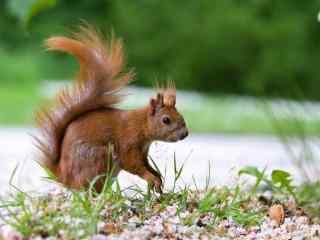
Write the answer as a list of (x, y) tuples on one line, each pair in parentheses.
[(302, 220), (99, 237), (9, 233)]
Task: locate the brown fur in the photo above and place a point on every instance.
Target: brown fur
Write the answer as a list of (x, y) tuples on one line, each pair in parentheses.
[(82, 126)]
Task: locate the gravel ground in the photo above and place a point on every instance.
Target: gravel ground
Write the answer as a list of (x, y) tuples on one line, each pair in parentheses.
[(167, 226), (168, 223)]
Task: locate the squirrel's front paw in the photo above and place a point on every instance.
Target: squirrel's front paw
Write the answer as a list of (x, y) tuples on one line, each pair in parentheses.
[(157, 184)]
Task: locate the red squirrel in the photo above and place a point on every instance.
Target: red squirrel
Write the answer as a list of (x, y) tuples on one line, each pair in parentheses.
[(83, 125)]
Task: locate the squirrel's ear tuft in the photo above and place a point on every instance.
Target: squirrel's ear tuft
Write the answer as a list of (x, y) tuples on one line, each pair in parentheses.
[(170, 94)]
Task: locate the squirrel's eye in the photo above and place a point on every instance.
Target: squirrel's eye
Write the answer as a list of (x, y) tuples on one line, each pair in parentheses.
[(166, 120)]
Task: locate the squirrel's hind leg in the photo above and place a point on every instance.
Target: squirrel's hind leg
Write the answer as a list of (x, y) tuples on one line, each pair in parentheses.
[(84, 162)]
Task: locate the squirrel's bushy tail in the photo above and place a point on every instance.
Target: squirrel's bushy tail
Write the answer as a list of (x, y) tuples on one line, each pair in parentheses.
[(99, 80)]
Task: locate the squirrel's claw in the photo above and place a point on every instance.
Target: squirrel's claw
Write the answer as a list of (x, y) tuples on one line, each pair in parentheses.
[(157, 185)]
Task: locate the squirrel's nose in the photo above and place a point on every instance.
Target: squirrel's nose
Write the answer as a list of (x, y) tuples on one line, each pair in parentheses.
[(184, 135)]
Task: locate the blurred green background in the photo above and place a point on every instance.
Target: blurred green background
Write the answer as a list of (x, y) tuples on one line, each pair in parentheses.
[(258, 48)]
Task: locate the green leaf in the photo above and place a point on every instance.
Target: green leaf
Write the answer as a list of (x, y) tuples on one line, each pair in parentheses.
[(255, 172), (282, 178), (252, 171), (284, 181), (26, 9)]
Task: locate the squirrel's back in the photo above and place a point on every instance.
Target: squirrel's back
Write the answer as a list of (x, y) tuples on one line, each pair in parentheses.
[(98, 83)]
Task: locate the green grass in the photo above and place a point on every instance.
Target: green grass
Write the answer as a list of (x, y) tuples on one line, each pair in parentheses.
[(78, 213)]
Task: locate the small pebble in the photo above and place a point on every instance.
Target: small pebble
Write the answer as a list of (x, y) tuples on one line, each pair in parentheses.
[(8, 233), (276, 213), (99, 237)]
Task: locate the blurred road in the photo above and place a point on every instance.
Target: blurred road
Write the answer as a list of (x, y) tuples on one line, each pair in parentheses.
[(226, 155)]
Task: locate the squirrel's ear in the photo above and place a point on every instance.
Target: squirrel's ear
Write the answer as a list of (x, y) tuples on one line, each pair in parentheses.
[(159, 99), (153, 106), (156, 104)]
